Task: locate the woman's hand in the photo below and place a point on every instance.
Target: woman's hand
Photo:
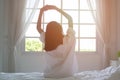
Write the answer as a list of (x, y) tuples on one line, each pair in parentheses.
[(48, 7)]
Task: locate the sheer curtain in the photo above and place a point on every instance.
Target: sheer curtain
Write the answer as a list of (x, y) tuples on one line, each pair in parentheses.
[(17, 25), (103, 21)]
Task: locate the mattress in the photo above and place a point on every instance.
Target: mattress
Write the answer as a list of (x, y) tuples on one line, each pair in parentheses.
[(109, 73)]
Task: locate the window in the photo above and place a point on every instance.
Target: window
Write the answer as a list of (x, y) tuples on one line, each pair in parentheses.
[(83, 24)]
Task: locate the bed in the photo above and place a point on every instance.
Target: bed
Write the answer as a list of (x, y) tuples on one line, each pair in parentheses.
[(109, 73)]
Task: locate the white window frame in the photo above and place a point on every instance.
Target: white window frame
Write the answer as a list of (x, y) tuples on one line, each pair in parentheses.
[(66, 23)]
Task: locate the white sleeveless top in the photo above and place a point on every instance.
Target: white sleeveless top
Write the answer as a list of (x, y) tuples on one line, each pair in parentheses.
[(61, 62)]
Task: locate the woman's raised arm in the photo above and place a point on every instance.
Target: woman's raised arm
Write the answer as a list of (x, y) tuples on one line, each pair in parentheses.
[(39, 21), (70, 21), (48, 7)]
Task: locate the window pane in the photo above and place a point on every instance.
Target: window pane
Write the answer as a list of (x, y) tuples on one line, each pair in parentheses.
[(76, 45), (33, 44), (86, 17), (75, 27), (30, 3), (27, 14), (44, 26), (87, 31), (88, 45), (93, 4), (35, 17), (52, 15), (84, 4), (70, 4), (53, 2), (32, 31), (40, 5), (73, 14), (65, 27)]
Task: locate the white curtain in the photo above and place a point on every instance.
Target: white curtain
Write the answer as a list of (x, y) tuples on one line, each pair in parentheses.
[(103, 21), (1, 34), (17, 24)]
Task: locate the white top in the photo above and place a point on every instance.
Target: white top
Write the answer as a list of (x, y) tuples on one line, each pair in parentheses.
[(61, 62)]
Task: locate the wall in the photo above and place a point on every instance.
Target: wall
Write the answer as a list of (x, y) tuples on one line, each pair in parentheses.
[(35, 62)]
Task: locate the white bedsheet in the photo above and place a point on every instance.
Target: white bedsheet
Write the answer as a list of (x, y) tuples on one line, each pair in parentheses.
[(110, 73)]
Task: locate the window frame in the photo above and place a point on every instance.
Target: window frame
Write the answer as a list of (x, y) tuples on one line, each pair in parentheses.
[(61, 21)]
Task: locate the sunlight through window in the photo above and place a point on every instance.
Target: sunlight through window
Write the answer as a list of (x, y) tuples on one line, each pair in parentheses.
[(83, 24)]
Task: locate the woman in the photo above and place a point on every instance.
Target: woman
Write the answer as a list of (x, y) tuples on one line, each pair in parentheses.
[(60, 58)]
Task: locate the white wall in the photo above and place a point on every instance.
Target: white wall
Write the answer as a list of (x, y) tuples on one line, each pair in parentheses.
[(35, 62), (89, 61), (29, 62)]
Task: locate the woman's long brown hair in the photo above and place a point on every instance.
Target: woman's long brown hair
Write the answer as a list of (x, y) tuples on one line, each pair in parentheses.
[(53, 36)]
